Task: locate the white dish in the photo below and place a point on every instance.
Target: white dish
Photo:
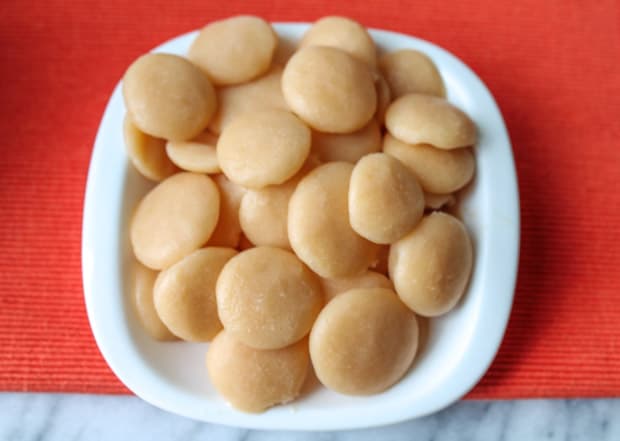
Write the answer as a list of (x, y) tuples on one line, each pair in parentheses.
[(461, 345)]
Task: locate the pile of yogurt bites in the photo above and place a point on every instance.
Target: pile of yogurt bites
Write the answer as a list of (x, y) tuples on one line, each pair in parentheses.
[(297, 221)]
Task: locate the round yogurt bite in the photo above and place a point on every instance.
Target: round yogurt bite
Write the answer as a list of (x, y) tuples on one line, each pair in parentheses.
[(426, 119), (256, 96), (319, 228), (363, 341), (385, 199), (175, 218), (253, 380), (430, 267), (264, 148), (267, 298), (234, 50), (142, 283), (196, 155), (410, 71), (185, 294), (263, 213), (147, 153), (168, 97), (439, 171), (342, 33), (329, 89)]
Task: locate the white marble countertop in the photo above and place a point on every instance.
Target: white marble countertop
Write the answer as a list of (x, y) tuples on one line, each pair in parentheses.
[(65, 417)]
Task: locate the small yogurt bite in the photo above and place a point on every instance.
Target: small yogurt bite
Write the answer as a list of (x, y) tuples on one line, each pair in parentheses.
[(342, 33), (185, 294), (147, 153), (263, 213), (255, 96), (168, 97), (426, 119), (267, 298), (175, 218), (319, 228), (329, 89), (234, 50), (266, 148), (363, 341), (142, 296), (385, 199), (439, 171), (430, 267), (410, 71), (253, 380), (196, 155)]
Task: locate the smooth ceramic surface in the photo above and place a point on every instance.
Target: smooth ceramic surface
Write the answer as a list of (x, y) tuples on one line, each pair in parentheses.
[(460, 346)]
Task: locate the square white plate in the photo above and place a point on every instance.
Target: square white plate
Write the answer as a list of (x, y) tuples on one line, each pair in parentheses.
[(461, 344)]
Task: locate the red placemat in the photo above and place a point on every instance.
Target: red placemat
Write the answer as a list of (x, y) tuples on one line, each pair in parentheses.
[(552, 66)]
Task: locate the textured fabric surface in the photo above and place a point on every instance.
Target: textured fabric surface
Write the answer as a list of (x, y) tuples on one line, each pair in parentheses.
[(552, 66)]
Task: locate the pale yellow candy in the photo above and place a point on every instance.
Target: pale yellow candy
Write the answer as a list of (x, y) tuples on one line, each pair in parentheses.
[(329, 89), (168, 97), (363, 341), (410, 71), (439, 171), (385, 199), (197, 155), (253, 380), (227, 233), (438, 201), (384, 98), (369, 279), (185, 294), (263, 214), (266, 148), (318, 224), (426, 119), (174, 219), (342, 33), (267, 298), (142, 282), (349, 147), (147, 153), (430, 266), (234, 50), (254, 97)]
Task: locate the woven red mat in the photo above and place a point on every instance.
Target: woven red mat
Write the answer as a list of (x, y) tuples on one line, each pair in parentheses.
[(552, 66)]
